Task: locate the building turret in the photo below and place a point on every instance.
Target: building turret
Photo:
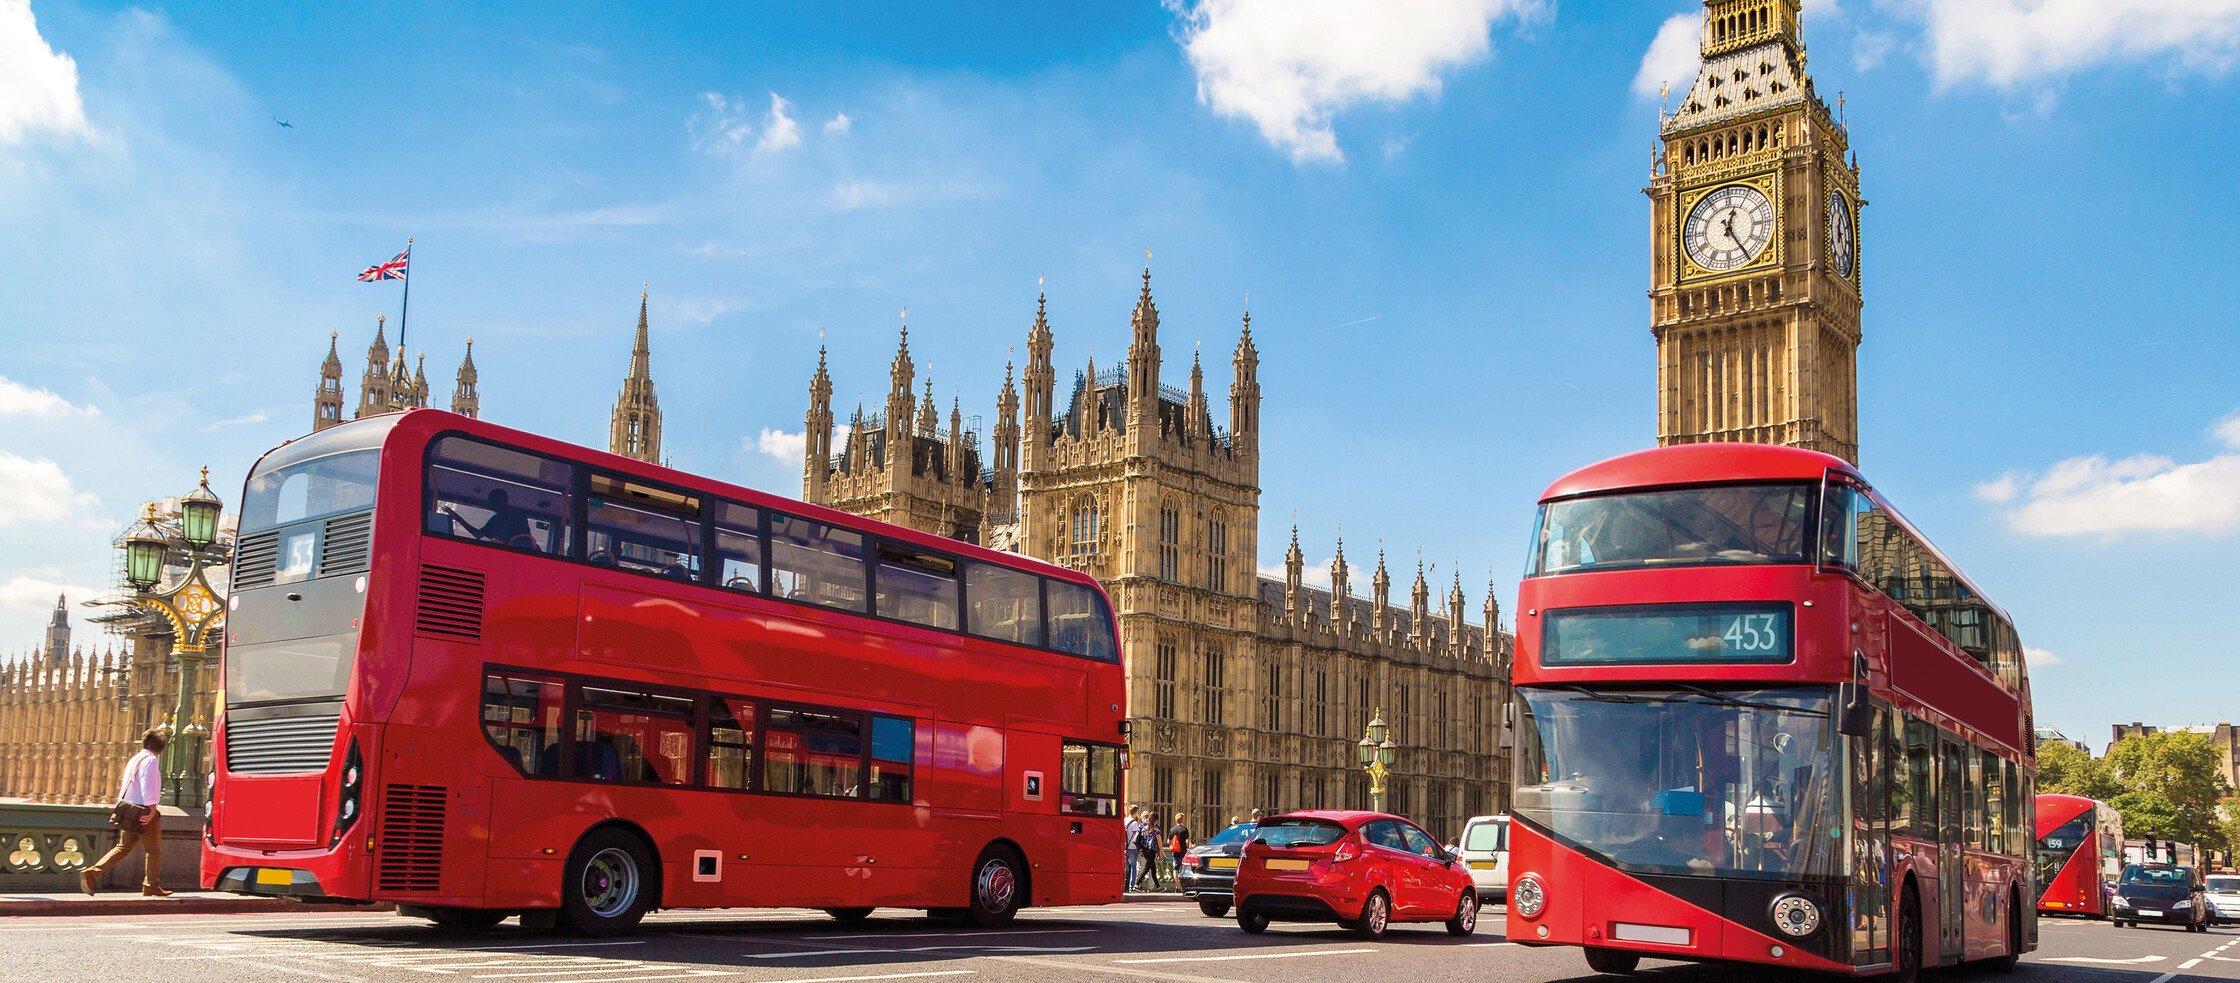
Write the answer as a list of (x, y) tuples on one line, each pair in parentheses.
[(816, 457), (465, 399), (1493, 623), (1006, 449), (58, 632), (1294, 578), (1455, 609), (326, 402), (957, 463), (1341, 592), (903, 371), (1200, 419), (375, 389), (1041, 380), (859, 444), (636, 429), (1419, 607), (1143, 370), (1244, 393), (929, 420), (419, 382), (1381, 588)]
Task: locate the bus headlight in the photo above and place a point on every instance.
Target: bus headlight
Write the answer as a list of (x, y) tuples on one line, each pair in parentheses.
[(1527, 898), (1795, 915)]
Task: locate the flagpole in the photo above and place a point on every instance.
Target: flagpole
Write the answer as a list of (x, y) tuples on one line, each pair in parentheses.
[(406, 313)]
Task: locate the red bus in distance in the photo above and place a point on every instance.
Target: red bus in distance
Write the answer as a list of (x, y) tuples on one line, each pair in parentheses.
[(2080, 853), (476, 672), (1761, 720)]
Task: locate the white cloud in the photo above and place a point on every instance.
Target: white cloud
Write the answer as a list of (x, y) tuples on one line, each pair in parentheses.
[(2038, 658), (780, 131), (2148, 493), (1290, 66), (2010, 43), (1316, 573), (246, 419), (838, 124), (1673, 57), (786, 447), (38, 491), (38, 85), (852, 194), (17, 399)]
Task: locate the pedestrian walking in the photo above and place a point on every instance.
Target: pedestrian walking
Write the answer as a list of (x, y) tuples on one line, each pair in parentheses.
[(1147, 848), (1132, 858), (1178, 842), (136, 819)]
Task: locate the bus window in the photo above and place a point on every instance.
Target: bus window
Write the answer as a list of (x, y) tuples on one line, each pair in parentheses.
[(1089, 779), (1718, 525), (730, 741), (521, 715), (1078, 623), (642, 529), (812, 752), (1003, 604), (497, 495), (1921, 780), (915, 586), (632, 736), (738, 555), (816, 563), (894, 743)]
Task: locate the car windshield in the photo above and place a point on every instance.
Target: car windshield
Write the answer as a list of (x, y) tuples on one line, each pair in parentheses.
[(1725, 524), (1299, 832), (1737, 783), (2224, 883), (2158, 876), (1236, 833)]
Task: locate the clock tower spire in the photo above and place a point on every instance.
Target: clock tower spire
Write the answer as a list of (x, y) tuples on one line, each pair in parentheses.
[(1754, 219)]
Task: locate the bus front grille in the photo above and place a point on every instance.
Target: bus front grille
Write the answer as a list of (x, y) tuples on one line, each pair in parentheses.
[(280, 745), (411, 844), (256, 560), (347, 544)]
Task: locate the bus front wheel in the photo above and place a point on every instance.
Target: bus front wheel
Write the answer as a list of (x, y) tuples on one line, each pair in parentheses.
[(607, 885), (998, 888), (1908, 967), (462, 919), (1613, 961)]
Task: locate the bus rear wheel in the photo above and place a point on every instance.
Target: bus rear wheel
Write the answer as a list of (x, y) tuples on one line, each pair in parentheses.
[(998, 888), (607, 885), (849, 916), (1615, 961)]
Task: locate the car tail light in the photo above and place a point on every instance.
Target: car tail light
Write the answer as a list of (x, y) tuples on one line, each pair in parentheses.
[(1348, 849), (1191, 860)]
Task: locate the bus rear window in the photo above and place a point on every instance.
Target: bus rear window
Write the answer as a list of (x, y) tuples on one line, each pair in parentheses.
[(309, 489), (1725, 524)]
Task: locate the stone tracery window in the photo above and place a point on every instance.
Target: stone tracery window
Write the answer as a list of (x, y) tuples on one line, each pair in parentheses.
[(1217, 551), (1085, 520), (1170, 542)]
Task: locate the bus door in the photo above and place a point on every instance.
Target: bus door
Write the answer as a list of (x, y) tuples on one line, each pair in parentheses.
[(1952, 874)]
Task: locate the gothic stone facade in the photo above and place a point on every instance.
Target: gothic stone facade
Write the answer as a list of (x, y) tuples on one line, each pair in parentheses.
[(1245, 692), (1755, 296), (69, 717)]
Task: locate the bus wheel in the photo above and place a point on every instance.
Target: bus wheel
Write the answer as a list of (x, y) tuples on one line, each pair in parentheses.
[(465, 919), (605, 889), (996, 889), (2006, 963), (1612, 960), (849, 916), (1909, 938)]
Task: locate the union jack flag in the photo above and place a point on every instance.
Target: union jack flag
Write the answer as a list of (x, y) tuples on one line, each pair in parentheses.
[(391, 270)]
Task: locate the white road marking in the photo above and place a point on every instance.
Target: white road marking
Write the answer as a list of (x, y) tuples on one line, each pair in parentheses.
[(2188, 964), (2105, 962), (883, 976), (1257, 955), (856, 950), (944, 935), (1487, 945), (2164, 978), (1145, 974)]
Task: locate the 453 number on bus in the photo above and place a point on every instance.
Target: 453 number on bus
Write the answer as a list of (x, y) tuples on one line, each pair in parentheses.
[(1758, 633)]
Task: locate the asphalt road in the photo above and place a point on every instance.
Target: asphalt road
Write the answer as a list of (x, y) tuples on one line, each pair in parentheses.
[(1140, 941)]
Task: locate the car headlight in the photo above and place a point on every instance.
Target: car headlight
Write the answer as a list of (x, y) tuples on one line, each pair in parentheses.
[(1795, 915), (2182, 905), (2119, 901), (1527, 898)]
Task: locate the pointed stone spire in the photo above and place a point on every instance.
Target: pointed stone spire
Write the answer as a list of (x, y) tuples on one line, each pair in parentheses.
[(1380, 586), (58, 630), (1341, 592), (326, 401), (466, 399), (636, 428), (1419, 605), (1456, 607), (901, 373), (1040, 379), (816, 456), (1199, 422), (1143, 365), (374, 389), (420, 381), (929, 419), (1294, 577), (1244, 393), (1004, 447)]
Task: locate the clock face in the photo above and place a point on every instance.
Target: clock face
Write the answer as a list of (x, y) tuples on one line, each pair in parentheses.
[(1728, 228), (1842, 233)]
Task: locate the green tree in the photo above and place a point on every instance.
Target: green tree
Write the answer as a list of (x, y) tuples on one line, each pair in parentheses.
[(2066, 770), (2171, 787)]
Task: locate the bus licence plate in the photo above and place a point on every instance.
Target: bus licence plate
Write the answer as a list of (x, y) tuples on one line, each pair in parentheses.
[(1286, 864), (275, 875), (1221, 863)]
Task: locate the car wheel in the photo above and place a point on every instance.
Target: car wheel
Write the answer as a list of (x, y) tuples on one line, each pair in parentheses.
[(997, 889), (607, 885), (1465, 920), (1613, 961), (1376, 916), (849, 916), (1214, 909), (1252, 922)]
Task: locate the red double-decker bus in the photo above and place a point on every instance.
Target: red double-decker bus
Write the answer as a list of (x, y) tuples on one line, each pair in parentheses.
[(2080, 852), (1761, 720), (474, 671)]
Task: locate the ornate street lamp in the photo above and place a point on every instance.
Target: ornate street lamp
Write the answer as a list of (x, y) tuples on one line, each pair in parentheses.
[(198, 514), (144, 549), (189, 606), (1377, 755)]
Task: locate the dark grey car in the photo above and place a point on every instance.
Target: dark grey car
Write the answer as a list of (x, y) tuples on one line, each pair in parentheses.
[(2161, 893), (1209, 870)]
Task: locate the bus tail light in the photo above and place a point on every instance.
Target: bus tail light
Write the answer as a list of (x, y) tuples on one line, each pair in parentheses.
[(1528, 898), (353, 785)]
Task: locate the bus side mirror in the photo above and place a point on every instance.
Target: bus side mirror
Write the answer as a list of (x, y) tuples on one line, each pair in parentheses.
[(1854, 714)]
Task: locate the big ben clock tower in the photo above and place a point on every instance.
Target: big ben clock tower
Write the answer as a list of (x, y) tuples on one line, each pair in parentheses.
[(1755, 239)]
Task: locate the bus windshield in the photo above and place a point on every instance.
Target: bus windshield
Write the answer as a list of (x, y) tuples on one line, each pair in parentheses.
[(1721, 524), (1737, 783)]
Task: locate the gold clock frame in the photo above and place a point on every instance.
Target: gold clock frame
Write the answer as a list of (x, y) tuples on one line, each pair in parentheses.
[(1767, 183)]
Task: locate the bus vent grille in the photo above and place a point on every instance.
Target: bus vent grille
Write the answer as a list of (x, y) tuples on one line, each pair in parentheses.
[(348, 542), (255, 560), (450, 603), (411, 843), (280, 745)]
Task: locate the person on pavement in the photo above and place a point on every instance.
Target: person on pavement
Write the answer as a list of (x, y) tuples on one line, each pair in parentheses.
[(136, 819), (1178, 843)]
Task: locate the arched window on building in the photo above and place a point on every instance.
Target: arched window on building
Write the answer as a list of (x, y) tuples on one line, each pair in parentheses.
[(1272, 716), (1170, 543), (1217, 552), (1162, 679), (1213, 684), (1084, 526)]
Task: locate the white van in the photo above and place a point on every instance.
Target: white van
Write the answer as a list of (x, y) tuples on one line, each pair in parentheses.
[(1485, 851)]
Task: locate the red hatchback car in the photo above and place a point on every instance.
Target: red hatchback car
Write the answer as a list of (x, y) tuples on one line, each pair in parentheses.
[(1363, 870)]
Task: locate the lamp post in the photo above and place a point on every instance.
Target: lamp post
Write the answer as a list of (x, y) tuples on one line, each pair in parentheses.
[(1377, 755), (189, 605)]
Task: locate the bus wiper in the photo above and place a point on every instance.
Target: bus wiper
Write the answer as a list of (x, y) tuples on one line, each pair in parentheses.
[(1724, 700), (1600, 696)]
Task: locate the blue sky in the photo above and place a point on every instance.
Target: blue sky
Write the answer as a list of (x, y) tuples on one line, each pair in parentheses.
[(1434, 208)]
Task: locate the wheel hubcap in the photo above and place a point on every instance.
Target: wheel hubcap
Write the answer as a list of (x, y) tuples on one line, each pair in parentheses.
[(1376, 914), (610, 882), (1469, 913), (996, 886)]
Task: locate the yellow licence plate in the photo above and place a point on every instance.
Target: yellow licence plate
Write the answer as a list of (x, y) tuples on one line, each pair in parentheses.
[(1286, 864), (1221, 863), (275, 875), (1485, 865)]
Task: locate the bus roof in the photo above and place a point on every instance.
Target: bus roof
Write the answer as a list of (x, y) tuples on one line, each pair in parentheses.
[(1695, 464)]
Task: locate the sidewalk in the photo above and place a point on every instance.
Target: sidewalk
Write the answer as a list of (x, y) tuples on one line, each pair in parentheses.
[(179, 903)]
